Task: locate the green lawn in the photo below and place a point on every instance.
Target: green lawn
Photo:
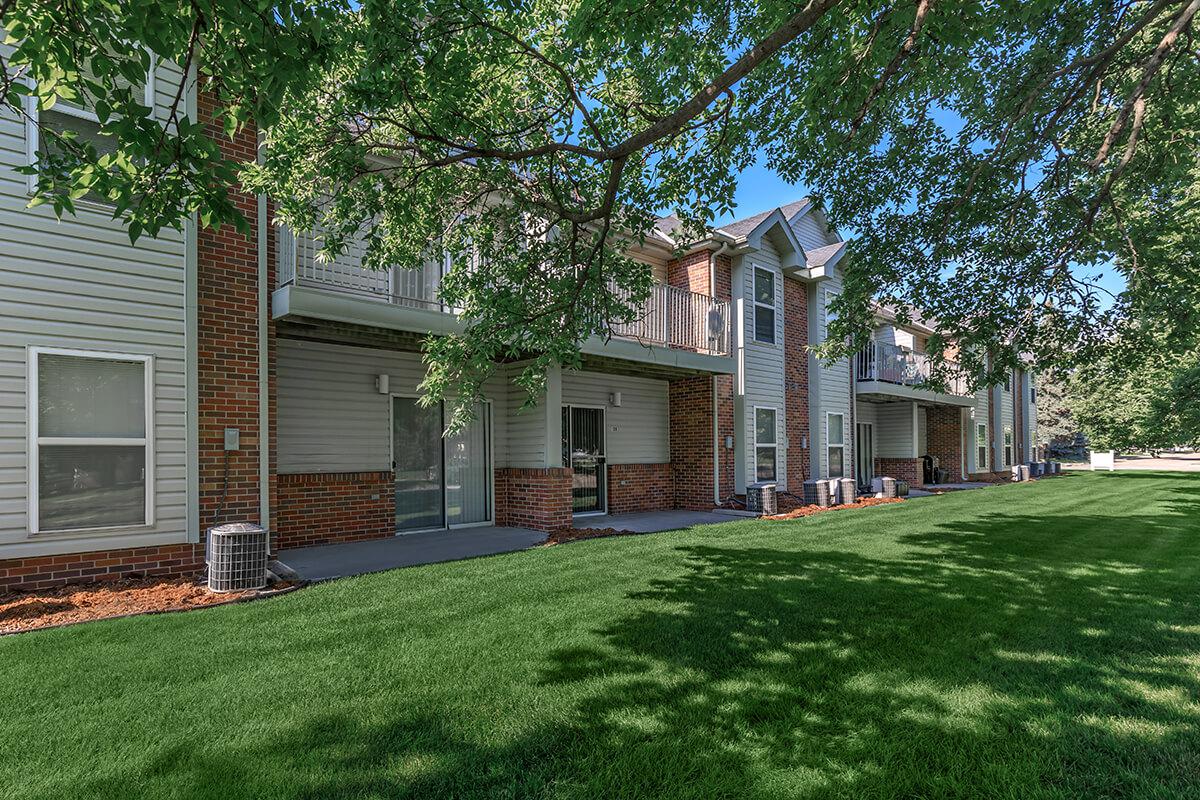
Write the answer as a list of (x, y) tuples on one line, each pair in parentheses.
[(1023, 641)]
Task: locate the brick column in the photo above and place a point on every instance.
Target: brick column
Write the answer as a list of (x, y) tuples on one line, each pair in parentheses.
[(228, 348), (691, 401), (534, 497), (944, 435), (795, 381)]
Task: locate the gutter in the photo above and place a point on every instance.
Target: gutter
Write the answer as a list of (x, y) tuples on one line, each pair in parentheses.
[(712, 287)]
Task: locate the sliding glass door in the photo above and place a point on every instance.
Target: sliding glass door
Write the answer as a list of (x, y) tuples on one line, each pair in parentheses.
[(417, 463), (468, 472), (440, 482)]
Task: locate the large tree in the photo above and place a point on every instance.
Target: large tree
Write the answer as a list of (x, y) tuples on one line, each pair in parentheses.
[(986, 154)]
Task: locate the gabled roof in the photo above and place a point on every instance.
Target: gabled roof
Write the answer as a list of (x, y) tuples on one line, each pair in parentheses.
[(740, 229), (826, 256)]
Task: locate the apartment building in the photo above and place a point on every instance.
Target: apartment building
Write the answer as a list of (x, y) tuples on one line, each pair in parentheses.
[(149, 391)]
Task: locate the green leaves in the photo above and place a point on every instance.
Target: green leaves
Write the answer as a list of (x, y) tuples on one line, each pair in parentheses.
[(963, 154), (152, 166)]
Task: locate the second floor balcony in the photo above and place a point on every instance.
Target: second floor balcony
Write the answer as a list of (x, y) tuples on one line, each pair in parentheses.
[(889, 372), (671, 317)]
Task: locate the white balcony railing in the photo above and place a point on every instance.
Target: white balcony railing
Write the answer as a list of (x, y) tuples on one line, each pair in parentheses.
[(880, 361), (670, 317)]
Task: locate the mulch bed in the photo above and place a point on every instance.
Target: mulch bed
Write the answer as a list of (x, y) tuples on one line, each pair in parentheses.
[(566, 534), (797, 510), (46, 608)]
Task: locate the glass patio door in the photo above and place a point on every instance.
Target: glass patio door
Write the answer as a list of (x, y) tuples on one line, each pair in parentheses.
[(864, 455), (583, 451), (468, 472), (417, 464)]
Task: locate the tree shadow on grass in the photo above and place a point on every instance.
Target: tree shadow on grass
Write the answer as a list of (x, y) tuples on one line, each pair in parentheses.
[(981, 662), (1004, 655)]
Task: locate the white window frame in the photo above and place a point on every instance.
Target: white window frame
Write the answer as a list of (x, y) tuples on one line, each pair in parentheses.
[(828, 296), (773, 445), (33, 118), (773, 305), (981, 441), (36, 441), (829, 446), (1009, 450)]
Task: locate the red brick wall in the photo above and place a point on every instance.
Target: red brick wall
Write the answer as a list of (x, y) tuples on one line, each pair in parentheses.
[(227, 317), (43, 572), (795, 381), (326, 508), (639, 487), (537, 498), (692, 442), (690, 272), (725, 429), (905, 469), (943, 425)]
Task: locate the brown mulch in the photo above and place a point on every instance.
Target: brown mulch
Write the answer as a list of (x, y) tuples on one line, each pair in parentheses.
[(797, 510), (568, 534), (26, 611)]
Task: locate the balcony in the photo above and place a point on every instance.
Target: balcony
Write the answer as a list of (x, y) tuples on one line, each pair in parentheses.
[(671, 318), (887, 372)]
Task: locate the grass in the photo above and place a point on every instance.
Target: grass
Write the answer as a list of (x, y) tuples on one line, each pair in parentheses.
[(1025, 641)]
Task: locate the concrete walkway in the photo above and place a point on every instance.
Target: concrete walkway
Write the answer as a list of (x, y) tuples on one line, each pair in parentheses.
[(653, 521), (377, 555)]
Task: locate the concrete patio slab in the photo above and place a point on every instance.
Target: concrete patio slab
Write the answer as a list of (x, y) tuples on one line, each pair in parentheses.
[(652, 521), (357, 558)]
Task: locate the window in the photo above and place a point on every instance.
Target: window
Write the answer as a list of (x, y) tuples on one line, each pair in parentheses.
[(1033, 394), (764, 305), (981, 447), (835, 440), (830, 312), (1008, 447), (90, 440), (1008, 382), (72, 117), (765, 444)]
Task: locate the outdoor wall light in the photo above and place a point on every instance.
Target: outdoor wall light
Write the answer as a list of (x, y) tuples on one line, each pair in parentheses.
[(382, 383), (614, 399)]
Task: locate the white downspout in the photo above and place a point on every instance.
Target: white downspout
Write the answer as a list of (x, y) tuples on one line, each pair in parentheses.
[(712, 291), (264, 386)]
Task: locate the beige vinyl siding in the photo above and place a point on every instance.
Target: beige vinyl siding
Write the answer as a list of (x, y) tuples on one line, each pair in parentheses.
[(811, 232), (1006, 421), (763, 365), (979, 415), (894, 430), (636, 432), (829, 383), (331, 417), (79, 284), (657, 262), (833, 380), (526, 427)]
